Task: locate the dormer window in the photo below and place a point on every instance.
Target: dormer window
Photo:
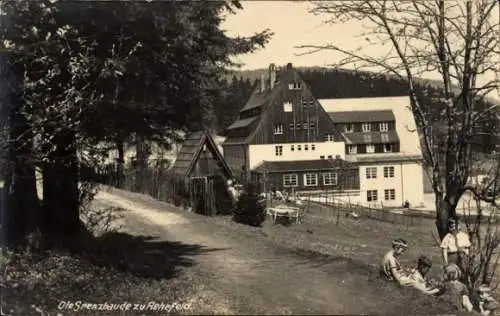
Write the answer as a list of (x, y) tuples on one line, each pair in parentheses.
[(384, 126), (294, 86), (352, 149), (297, 126), (312, 125), (349, 128), (329, 137), (365, 127), (388, 148), (292, 126), (370, 149), (287, 107), (305, 125), (278, 129)]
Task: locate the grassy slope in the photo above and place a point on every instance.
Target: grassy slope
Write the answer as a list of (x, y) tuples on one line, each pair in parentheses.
[(350, 249), (124, 269)]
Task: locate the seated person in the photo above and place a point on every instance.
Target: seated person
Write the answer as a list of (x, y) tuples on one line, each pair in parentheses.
[(390, 268), (487, 304), (417, 277), (455, 290)]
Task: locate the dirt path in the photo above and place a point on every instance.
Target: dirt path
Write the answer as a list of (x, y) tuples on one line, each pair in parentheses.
[(253, 276)]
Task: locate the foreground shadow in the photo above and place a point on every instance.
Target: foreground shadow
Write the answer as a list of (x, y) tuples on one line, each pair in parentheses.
[(144, 256)]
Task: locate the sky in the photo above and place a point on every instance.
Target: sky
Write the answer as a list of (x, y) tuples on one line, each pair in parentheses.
[(293, 25)]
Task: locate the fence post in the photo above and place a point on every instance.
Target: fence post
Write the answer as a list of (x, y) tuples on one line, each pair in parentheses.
[(338, 216)]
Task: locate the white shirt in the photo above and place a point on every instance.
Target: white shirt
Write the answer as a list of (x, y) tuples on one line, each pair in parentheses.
[(454, 242), (390, 265)]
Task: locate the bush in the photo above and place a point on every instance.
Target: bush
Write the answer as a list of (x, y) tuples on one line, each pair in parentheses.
[(483, 260), (250, 209)]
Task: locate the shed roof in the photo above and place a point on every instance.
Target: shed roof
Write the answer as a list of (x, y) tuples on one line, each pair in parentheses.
[(190, 153), (362, 116), (242, 123), (303, 165)]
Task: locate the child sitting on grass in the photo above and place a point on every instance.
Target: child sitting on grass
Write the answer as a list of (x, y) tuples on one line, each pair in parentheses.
[(486, 303), (455, 290), (417, 277)]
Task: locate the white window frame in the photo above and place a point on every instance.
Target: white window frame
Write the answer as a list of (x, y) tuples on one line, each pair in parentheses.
[(366, 127), (371, 195), (290, 180), (287, 107), (329, 138), (370, 149), (294, 86), (278, 129), (390, 194), (278, 150), (349, 128), (389, 172), (313, 176), (371, 172), (352, 149), (330, 178), (384, 126)]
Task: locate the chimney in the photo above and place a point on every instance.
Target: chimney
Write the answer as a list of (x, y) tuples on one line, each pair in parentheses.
[(262, 84), (289, 66), (272, 76)]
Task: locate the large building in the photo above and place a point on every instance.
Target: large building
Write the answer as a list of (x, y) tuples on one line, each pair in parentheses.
[(287, 139)]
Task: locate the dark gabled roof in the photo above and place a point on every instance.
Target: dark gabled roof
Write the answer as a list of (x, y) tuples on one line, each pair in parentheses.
[(362, 116), (371, 137), (190, 153), (242, 123), (258, 99), (303, 165)]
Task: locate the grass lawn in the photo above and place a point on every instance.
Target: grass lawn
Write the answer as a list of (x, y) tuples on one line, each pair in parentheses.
[(364, 240)]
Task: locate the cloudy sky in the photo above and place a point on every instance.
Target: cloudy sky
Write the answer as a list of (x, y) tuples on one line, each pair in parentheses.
[(293, 25)]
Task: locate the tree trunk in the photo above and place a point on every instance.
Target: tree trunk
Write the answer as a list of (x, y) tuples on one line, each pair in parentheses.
[(21, 201), (444, 211), (60, 183), (22, 207), (141, 164), (120, 176)]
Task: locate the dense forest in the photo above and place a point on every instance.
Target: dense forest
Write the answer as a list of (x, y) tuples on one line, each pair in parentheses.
[(342, 83)]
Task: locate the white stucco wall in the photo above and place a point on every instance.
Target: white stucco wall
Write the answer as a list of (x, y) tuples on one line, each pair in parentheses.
[(267, 152), (413, 183), (407, 182)]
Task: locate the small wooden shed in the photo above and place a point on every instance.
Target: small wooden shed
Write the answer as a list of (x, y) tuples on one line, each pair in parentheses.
[(199, 167)]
